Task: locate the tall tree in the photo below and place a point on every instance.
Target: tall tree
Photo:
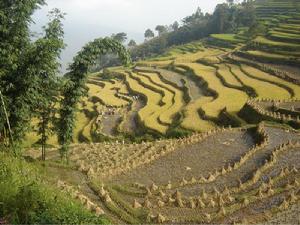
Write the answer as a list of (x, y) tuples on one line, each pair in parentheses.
[(14, 43), (48, 89), (23, 63), (230, 2), (149, 34), (194, 18), (246, 14), (74, 87), (220, 18), (132, 43), (120, 37), (175, 26), (27, 69), (161, 29), (4, 122), (256, 29)]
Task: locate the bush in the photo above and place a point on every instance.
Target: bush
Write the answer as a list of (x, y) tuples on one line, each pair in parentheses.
[(26, 199)]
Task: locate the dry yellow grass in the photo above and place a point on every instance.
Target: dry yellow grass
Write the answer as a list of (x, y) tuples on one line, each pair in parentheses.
[(177, 99), (192, 120), (82, 120), (192, 57), (263, 89), (87, 130), (230, 98), (81, 125), (124, 89), (228, 76), (150, 113), (154, 63), (167, 96), (107, 94), (260, 74), (179, 57)]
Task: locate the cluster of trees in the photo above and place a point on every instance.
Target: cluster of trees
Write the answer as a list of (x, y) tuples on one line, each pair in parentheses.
[(28, 70), (226, 18), (161, 30), (30, 88), (111, 59)]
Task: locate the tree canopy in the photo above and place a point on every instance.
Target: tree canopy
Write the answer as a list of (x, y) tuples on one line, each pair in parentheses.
[(120, 37), (27, 68), (161, 29), (132, 43), (226, 18), (74, 87), (149, 34)]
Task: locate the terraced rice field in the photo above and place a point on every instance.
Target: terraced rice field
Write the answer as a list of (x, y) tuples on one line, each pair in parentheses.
[(223, 93), (186, 167), (191, 92), (281, 43), (175, 97), (207, 133), (222, 176), (107, 94)]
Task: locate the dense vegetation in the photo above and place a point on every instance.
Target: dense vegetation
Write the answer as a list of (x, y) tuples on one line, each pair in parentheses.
[(26, 198), (30, 92), (227, 18)]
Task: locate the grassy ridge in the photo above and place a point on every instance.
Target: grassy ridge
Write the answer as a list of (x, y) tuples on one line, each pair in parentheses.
[(27, 197)]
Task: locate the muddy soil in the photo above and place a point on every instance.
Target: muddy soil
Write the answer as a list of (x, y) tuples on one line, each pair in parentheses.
[(191, 161)]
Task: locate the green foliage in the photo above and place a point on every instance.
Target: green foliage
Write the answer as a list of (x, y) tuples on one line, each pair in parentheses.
[(132, 43), (15, 48), (227, 18), (28, 69), (175, 26), (48, 87), (246, 15), (120, 37), (227, 37), (75, 80), (257, 29), (196, 17), (222, 19), (25, 199), (161, 29), (149, 34)]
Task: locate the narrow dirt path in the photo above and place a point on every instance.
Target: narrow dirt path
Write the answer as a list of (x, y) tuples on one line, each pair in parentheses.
[(130, 125)]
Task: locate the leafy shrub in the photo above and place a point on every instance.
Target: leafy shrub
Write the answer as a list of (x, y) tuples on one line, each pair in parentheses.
[(26, 199)]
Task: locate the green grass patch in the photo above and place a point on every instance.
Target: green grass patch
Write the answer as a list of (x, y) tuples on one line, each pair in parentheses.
[(27, 198), (228, 37), (264, 41)]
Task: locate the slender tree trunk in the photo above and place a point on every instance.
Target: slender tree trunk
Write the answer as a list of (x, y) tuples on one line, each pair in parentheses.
[(7, 120), (44, 138), (43, 152)]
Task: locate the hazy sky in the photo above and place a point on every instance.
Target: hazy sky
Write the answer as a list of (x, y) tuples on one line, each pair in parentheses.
[(90, 19)]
